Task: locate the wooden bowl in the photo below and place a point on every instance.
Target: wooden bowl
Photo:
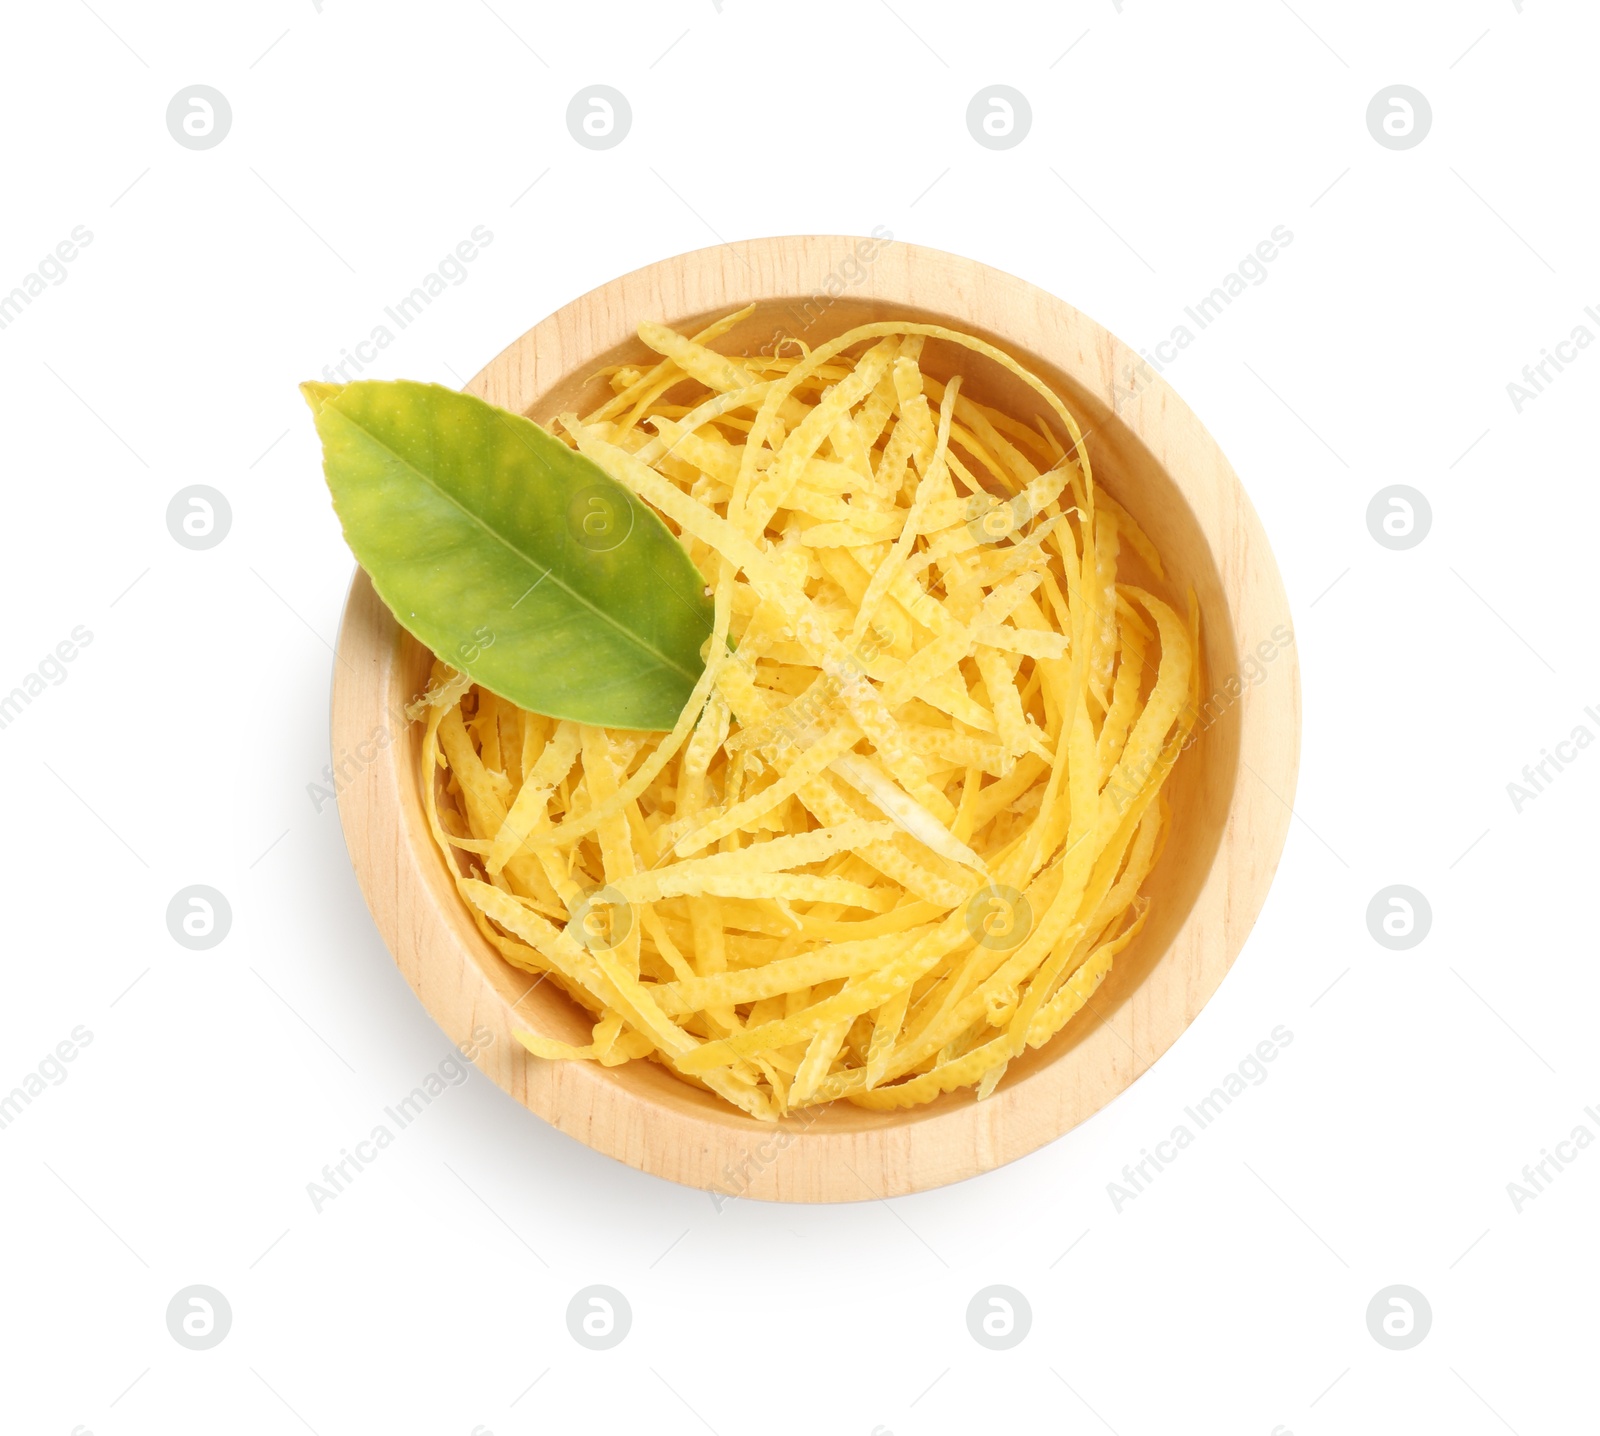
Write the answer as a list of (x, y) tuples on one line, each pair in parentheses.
[(1230, 793)]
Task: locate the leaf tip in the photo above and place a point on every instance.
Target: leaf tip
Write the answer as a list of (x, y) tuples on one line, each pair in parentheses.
[(317, 394)]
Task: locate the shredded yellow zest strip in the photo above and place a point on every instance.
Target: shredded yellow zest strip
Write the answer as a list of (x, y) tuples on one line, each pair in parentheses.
[(900, 831)]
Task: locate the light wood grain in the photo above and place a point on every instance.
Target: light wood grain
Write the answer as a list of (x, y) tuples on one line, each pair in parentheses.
[(1230, 793)]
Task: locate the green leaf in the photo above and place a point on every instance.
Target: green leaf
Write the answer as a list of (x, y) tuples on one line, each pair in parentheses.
[(514, 558)]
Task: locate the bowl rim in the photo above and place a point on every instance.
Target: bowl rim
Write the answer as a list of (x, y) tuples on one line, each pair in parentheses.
[(430, 934)]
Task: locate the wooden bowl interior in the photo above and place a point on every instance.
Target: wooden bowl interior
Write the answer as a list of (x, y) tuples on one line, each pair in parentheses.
[(1200, 789)]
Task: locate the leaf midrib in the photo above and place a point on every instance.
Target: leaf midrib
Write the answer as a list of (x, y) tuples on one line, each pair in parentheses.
[(549, 572)]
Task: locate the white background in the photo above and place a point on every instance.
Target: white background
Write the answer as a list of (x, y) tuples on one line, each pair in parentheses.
[(366, 141)]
